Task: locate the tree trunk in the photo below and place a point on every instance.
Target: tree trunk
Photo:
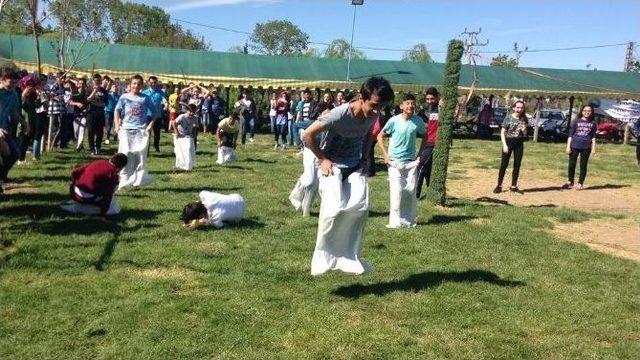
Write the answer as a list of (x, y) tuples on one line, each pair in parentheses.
[(36, 37), (536, 128), (437, 191), (625, 137)]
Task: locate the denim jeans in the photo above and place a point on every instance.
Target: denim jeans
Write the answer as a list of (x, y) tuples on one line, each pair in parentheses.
[(296, 127), (424, 168), (108, 117), (250, 127)]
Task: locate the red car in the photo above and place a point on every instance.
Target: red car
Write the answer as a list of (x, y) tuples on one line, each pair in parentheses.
[(609, 131)]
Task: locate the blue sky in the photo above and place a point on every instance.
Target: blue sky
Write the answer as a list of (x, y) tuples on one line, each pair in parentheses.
[(401, 24)]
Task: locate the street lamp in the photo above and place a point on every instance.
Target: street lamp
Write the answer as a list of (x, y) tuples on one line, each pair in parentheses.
[(353, 26)]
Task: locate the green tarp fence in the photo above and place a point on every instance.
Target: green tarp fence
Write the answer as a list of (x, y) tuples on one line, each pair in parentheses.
[(231, 69)]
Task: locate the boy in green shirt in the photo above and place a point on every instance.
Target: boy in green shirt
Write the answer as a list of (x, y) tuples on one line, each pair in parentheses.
[(403, 130)]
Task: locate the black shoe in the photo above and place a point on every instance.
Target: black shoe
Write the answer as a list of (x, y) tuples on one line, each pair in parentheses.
[(515, 190), (567, 185), (497, 189)]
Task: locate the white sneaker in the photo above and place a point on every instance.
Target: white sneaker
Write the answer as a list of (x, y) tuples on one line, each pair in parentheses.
[(275, 147), (251, 140)]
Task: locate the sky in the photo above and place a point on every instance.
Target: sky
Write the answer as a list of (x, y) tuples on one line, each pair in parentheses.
[(400, 24)]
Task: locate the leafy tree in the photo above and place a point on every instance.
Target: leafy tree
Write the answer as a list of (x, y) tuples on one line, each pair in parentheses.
[(418, 53), (279, 37), (311, 52), (437, 191), (81, 21), (238, 49), (504, 60), (636, 66), (139, 24), (14, 18), (339, 49)]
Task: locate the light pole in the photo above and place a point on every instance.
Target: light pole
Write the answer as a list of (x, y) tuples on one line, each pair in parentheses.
[(355, 4)]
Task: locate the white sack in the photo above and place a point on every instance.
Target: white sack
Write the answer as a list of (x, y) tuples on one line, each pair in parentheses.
[(304, 191), (185, 151), (87, 209), (226, 154), (343, 214), (402, 190), (133, 143)]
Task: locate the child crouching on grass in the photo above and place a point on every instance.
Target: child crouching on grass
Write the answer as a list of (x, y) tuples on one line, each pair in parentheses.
[(213, 209)]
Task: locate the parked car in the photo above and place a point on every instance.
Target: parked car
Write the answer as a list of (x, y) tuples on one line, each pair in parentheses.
[(499, 113), (554, 130), (545, 115), (610, 130)]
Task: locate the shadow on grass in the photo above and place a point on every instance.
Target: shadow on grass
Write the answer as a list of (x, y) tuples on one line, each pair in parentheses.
[(424, 281), (490, 200), (107, 252), (605, 186), (237, 167), (194, 190), (263, 161), (374, 214), (242, 224), (64, 223), (446, 219)]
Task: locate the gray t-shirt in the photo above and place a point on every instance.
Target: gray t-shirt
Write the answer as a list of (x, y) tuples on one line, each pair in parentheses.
[(185, 125), (345, 136)]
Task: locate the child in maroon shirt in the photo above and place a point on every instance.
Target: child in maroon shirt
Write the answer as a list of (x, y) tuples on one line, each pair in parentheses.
[(95, 183)]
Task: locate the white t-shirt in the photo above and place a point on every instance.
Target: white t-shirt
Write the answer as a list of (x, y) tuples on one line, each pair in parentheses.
[(222, 208)]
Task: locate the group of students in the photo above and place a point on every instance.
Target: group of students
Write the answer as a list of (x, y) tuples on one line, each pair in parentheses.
[(337, 138)]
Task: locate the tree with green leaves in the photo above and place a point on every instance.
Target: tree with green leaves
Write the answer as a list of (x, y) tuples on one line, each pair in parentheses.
[(339, 49), (278, 37), (418, 53), (139, 24), (14, 18), (237, 49), (437, 191), (83, 22), (504, 60)]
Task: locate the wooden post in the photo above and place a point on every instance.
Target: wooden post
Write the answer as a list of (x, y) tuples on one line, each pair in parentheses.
[(536, 128), (571, 99), (625, 137)]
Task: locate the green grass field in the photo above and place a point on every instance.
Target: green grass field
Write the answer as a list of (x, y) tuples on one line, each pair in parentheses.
[(470, 281)]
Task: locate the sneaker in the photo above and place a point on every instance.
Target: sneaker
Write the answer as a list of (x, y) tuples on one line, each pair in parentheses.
[(578, 187), (284, 147), (497, 189), (515, 189), (567, 185), (275, 147), (251, 140)]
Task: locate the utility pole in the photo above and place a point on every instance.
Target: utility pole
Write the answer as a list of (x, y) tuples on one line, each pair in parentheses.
[(471, 42), (355, 4), (628, 59)]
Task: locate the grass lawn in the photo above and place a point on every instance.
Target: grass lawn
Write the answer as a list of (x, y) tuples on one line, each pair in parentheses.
[(470, 281)]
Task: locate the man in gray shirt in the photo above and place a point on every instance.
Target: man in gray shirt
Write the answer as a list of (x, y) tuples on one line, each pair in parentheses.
[(344, 206)]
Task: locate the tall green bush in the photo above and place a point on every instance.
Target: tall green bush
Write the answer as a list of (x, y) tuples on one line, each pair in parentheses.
[(437, 191)]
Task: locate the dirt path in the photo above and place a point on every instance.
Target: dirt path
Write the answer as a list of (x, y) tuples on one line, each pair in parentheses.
[(620, 237)]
